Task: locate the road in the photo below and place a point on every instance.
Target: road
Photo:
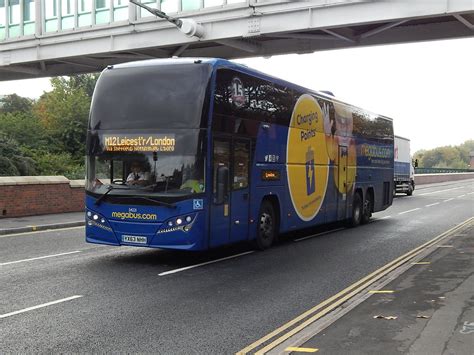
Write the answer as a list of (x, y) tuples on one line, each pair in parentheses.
[(59, 294)]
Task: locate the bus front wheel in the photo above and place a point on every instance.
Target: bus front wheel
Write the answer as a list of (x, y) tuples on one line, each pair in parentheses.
[(266, 228)]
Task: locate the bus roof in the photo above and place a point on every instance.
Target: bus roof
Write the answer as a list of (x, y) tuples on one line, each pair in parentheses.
[(218, 62)]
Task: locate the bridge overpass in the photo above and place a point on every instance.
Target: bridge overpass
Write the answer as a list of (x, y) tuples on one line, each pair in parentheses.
[(41, 38)]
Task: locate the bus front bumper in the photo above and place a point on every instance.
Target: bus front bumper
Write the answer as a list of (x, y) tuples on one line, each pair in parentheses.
[(152, 235)]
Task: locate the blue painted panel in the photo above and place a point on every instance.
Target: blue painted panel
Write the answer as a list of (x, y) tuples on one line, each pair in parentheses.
[(124, 220)]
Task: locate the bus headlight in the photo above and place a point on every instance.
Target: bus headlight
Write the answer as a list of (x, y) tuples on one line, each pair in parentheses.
[(182, 223), (96, 220)]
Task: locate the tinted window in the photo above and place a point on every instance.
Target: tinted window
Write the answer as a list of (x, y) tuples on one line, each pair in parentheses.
[(244, 96), (170, 96)]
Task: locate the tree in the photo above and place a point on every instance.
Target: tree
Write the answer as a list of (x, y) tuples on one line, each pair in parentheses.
[(12, 160), (15, 103), (453, 157), (7, 168), (64, 112), (24, 128), (47, 136), (85, 81)]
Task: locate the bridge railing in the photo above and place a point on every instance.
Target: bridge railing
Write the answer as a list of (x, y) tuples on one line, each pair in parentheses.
[(441, 171), (35, 18)]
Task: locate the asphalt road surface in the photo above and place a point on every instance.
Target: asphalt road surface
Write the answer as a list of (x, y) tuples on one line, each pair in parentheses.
[(59, 294)]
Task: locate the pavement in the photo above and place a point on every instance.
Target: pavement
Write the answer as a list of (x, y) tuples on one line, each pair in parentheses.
[(428, 308), (42, 222)]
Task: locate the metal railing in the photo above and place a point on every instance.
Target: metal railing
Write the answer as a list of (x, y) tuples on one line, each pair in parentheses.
[(35, 18), (441, 170)]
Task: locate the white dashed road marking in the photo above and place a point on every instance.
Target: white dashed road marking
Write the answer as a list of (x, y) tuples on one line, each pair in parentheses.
[(39, 258), (202, 264), (413, 210), (39, 306)]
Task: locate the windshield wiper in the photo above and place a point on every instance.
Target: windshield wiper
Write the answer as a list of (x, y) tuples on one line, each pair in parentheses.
[(99, 200), (160, 203), (109, 189)]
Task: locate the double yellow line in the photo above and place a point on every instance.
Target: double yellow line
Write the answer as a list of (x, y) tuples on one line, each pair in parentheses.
[(289, 329)]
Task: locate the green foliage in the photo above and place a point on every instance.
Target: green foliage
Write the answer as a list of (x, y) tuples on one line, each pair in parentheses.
[(7, 168), (12, 160), (24, 128), (15, 103), (53, 163), (64, 113), (453, 157), (84, 82), (47, 137)]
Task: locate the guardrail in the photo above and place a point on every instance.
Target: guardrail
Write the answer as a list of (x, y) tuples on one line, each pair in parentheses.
[(441, 170)]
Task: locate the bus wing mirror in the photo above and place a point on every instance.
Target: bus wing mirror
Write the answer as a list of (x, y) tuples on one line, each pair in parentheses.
[(222, 188)]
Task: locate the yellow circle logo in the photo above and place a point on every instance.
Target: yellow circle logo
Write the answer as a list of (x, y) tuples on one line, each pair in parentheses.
[(307, 158)]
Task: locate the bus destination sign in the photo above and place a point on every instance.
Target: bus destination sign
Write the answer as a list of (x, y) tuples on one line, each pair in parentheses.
[(139, 142)]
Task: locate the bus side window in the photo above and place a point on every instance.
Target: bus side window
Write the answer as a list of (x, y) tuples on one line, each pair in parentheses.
[(221, 158), (240, 178)]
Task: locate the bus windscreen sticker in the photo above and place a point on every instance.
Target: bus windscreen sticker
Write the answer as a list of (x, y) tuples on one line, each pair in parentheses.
[(139, 142), (237, 92), (198, 204)]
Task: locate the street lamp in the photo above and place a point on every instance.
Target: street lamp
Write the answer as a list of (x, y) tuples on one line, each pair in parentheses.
[(187, 26)]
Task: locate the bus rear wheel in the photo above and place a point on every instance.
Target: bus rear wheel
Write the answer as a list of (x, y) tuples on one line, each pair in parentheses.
[(266, 227), (367, 212), (357, 207)]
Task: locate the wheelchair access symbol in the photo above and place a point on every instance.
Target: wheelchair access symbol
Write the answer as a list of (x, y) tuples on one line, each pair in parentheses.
[(198, 204), (310, 173)]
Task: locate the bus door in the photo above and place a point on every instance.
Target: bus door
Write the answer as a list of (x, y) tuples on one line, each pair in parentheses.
[(342, 183), (230, 213), (239, 210), (220, 204)]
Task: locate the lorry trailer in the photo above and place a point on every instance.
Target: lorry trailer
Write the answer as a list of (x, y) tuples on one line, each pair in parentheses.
[(403, 171)]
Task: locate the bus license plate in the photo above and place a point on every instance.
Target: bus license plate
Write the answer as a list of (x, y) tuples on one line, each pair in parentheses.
[(134, 239)]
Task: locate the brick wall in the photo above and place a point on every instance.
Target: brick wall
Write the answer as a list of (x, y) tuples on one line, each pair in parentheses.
[(36, 195)]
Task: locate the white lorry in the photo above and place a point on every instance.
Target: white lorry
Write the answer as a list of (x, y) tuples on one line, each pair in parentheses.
[(403, 171)]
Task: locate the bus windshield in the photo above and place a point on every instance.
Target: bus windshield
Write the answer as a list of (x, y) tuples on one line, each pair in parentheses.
[(145, 175), (145, 134)]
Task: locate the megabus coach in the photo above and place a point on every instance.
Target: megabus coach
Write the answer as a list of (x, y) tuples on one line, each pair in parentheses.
[(193, 154)]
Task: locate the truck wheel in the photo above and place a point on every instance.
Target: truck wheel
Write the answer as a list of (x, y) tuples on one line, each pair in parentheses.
[(266, 227), (365, 218), (410, 190), (354, 221)]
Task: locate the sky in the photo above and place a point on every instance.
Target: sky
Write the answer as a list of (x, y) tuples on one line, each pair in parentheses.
[(427, 87)]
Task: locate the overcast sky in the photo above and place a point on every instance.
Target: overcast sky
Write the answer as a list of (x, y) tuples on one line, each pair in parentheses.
[(427, 88)]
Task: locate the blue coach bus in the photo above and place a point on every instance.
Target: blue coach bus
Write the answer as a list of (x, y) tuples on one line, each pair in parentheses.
[(193, 154)]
